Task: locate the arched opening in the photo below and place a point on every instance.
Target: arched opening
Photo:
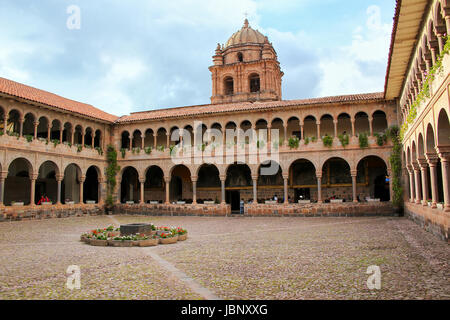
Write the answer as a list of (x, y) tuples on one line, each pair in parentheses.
[(46, 184), (149, 139), (91, 185), (28, 125), (55, 131), (372, 179), (130, 186), (254, 82), (2, 119), (362, 123), (78, 135), (13, 125), (215, 135), (70, 186), (336, 180), (326, 126), (208, 184), (98, 139), (379, 123), (161, 139), (238, 185), (303, 181), (181, 184), (240, 57), (18, 183), (67, 132), (246, 135), (125, 141), (443, 129), (228, 85), (154, 186), (89, 138), (137, 139), (310, 127), (293, 129), (344, 125), (231, 133), (270, 182), (188, 135), (277, 126)]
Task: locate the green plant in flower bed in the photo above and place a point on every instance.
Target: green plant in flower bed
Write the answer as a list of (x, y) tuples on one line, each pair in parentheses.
[(166, 235), (313, 139), (344, 139), (124, 152), (294, 142), (363, 140), (148, 150), (29, 137), (381, 138), (306, 141), (181, 231), (101, 236)]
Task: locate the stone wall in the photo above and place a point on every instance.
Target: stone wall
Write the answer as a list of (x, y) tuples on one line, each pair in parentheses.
[(435, 221), (48, 212), (173, 209)]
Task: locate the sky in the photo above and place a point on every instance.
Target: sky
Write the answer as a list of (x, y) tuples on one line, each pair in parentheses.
[(137, 55)]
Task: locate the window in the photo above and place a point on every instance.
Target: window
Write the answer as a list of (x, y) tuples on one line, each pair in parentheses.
[(228, 86), (240, 57), (254, 83)]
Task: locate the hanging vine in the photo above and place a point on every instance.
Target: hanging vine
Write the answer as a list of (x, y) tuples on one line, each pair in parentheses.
[(396, 166), (111, 172)]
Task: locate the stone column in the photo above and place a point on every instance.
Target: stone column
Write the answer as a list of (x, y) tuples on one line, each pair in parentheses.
[(269, 135), (285, 142), (59, 179), (353, 127), (371, 126), (143, 142), (101, 189), (61, 136), (36, 124), (444, 154), (440, 42), (82, 179), (72, 136), (354, 174), (255, 188), (318, 130), (142, 182), (433, 54), (21, 120), (423, 169), (167, 180), (3, 176), (411, 182), (432, 160), (82, 139), (319, 186), (335, 122), (49, 127), (302, 131), (194, 189), (33, 179), (222, 189), (168, 140), (155, 137), (286, 193), (418, 198), (119, 191), (447, 24), (5, 123)]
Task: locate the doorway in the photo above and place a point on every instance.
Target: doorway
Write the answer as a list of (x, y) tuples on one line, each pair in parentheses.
[(234, 198)]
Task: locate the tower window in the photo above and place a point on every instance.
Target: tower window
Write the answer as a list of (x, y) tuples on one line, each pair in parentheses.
[(254, 83), (240, 57), (228, 86)]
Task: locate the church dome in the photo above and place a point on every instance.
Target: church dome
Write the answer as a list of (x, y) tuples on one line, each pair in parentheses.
[(246, 35)]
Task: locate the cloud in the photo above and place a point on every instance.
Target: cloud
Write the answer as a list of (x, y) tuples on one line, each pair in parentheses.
[(359, 67)]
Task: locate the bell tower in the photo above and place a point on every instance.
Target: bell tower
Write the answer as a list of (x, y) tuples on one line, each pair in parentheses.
[(246, 69)]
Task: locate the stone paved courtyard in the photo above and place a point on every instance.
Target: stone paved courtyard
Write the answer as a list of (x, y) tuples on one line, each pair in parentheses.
[(232, 258)]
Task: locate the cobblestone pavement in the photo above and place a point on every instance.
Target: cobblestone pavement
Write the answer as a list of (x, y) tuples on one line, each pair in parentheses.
[(233, 258)]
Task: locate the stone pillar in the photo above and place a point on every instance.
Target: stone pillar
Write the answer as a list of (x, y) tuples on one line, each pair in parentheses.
[(155, 137), (3, 176), (72, 136), (354, 174), (168, 140), (440, 42), (371, 126), (82, 179), (194, 189), (433, 55), (255, 188), (411, 182), (181, 137), (49, 127), (318, 130), (5, 123), (119, 191), (444, 154), (447, 24), (269, 135), (335, 122), (21, 120), (418, 198), (353, 127), (319, 186), (167, 180), (101, 189), (59, 179), (61, 136), (222, 189), (423, 169), (285, 142), (302, 131), (82, 139), (286, 193), (432, 160), (33, 188), (142, 182), (36, 124), (143, 142)]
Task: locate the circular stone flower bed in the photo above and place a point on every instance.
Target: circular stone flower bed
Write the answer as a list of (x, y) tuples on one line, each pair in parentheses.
[(149, 236)]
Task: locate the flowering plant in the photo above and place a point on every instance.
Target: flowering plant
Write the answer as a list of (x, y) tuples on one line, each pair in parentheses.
[(181, 231), (166, 235)]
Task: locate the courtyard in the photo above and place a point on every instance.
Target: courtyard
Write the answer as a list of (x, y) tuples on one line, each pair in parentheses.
[(227, 258)]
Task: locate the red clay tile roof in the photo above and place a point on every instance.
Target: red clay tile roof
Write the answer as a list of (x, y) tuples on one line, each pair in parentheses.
[(19, 90), (244, 106)]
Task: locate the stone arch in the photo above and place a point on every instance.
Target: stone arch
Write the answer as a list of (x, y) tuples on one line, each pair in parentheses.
[(137, 139), (254, 82), (379, 122), (302, 179), (372, 178), (430, 142), (420, 147), (125, 140), (208, 183), (180, 184), (344, 125), (89, 137), (18, 182), (78, 135), (46, 183), (336, 171), (149, 138), (28, 124), (161, 137), (361, 123), (67, 132), (310, 127), (443, 129), (55, 130), (129, 185), (91, 188), (13, 125), (70, 186)]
